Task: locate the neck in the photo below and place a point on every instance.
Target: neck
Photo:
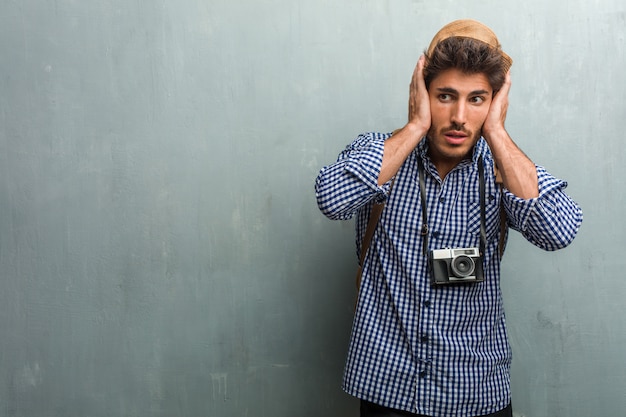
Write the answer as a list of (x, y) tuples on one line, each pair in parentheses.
[(445, 164)]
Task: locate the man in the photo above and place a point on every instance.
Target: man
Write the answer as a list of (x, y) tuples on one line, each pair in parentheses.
[(429, 338)]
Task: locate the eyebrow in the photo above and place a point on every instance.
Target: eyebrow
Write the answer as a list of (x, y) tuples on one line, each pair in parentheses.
[(450, 90)]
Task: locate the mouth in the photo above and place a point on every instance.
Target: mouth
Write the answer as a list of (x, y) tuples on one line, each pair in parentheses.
[(455, 137)]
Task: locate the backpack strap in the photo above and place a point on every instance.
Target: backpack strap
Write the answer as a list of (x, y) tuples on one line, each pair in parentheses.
[(377, 210)]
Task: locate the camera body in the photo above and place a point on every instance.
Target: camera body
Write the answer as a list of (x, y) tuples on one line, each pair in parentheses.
[(455, 266)]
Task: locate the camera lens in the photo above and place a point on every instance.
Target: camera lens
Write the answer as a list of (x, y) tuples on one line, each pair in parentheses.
[(462, 266)]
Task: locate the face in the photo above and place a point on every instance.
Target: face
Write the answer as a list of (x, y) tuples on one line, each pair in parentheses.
[(459, 104)]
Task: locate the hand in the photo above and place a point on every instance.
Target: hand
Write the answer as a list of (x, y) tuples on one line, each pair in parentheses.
[(419, 101), (519, 174), (494, 123), (404, 141)]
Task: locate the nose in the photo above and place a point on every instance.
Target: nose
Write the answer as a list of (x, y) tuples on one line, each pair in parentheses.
[(459, 113)]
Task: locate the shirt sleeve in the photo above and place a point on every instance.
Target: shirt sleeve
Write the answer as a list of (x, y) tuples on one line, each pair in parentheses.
[(550, 221), (352, 181)]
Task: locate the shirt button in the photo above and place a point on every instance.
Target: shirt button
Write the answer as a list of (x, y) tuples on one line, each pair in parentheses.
[(427, 303), (422, 374), (424, 339), (442, 199), (436, 234)]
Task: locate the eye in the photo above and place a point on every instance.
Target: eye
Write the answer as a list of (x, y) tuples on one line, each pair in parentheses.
[(477, 100), (445, 97)]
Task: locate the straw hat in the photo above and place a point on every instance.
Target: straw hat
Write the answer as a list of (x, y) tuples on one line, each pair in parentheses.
[(467, 28)]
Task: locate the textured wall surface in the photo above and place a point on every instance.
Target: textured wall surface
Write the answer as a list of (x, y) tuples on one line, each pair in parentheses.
[(161, 253)]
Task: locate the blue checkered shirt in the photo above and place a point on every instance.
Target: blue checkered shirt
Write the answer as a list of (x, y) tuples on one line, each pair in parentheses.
[(439, 351)]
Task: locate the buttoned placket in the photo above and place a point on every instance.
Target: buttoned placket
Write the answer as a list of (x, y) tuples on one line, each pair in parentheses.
[(438, 209), (425, 323)]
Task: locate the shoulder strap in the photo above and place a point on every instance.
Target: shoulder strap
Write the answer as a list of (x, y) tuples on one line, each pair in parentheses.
[(377, 209)]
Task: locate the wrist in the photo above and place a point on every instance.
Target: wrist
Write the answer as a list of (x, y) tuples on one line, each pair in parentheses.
[(495, 135), (417, 129)]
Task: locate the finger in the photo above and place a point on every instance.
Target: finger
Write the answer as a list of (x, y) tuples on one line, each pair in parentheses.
[(413, 87), (418, 71), (415, 75), (421, 63), (506, 86)]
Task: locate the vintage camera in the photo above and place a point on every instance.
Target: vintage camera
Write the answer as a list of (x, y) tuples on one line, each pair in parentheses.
[(455, 266)]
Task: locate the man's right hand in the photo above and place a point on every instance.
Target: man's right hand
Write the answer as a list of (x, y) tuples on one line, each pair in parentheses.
[(402, 143), (419, 101)]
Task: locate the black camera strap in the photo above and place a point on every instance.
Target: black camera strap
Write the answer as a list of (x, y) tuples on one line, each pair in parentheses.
[(483, 216), (424, 232), (481, 190)]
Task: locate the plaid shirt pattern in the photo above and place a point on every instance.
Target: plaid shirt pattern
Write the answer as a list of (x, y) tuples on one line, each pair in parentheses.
[(440, 351)]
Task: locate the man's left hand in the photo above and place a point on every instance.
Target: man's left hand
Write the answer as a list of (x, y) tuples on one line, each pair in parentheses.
[(494, 123)]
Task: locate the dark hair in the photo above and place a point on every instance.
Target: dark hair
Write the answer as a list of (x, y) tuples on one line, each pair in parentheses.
[(468, 55)]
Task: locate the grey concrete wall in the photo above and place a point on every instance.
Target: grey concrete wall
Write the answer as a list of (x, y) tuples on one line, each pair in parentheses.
[(161, 253)]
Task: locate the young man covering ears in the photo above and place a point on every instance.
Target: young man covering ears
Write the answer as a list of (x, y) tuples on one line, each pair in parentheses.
[(429, 335)]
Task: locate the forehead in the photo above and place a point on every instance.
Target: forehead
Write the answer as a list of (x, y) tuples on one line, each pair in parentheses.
[(462, 83)]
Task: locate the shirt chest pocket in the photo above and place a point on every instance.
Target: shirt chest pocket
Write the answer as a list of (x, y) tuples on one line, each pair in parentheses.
[(492, 217)]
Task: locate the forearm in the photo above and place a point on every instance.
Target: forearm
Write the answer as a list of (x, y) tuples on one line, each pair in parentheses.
[(397, 149), (519, 173)]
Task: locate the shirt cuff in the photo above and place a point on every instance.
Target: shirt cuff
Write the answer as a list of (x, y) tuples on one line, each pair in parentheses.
[(520, 211), (364, 159)]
